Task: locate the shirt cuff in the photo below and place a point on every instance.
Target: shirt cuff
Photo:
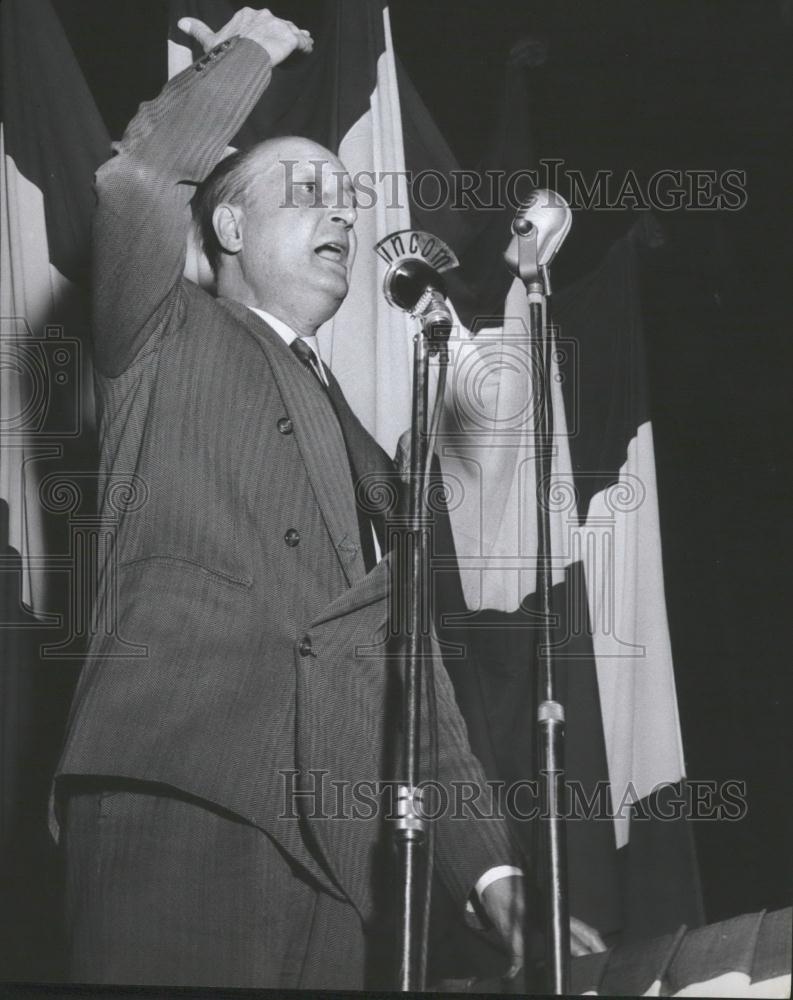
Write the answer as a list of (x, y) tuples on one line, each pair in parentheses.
[(490, 876)]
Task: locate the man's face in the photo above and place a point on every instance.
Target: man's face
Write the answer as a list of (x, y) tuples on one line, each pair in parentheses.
[(297, 238)]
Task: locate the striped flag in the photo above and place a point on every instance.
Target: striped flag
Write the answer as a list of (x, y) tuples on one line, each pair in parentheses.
[(629, 872), (51, 141)]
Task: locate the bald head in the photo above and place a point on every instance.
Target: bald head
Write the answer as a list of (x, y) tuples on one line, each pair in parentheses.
[(283, 208), (271, 159), (291, 149)]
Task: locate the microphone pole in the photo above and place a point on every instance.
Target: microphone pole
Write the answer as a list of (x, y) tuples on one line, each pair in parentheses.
[(412, 285), (412, 833), (539, 229)]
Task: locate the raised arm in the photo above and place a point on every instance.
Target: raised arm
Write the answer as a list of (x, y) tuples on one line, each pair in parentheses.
[(143, 193)]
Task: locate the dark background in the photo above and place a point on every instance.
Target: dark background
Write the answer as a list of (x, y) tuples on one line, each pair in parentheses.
[(671, 84)]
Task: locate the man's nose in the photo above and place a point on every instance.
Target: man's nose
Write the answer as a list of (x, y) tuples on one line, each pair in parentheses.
[(345, 215)]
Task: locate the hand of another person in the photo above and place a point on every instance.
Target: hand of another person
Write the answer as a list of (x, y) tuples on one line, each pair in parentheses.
[(280, 38)]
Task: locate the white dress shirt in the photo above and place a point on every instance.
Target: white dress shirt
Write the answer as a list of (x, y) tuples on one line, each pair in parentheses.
[(287, 334)]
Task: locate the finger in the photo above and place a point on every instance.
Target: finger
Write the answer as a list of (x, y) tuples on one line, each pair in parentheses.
[(305, 43), (514, 969), (593, 941), (586, 936), (576, 948), (198, 30)]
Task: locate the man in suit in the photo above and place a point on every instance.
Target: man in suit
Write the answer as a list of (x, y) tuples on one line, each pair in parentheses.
[(243, 612)]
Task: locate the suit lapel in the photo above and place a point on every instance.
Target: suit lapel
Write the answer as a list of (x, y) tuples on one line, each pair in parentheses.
[(318, 437)]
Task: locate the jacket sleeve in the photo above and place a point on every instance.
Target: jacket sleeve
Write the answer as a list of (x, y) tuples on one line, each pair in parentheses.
[(471, 835), (142, 217)]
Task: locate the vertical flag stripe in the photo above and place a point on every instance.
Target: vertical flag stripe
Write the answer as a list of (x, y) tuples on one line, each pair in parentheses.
[(50, 148)]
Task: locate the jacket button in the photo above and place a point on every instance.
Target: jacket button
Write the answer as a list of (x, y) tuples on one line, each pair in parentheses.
[(292, 537), (304, 647), (284, 425)]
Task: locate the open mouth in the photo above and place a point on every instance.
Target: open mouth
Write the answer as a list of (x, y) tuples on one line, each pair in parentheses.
[(336, 252)]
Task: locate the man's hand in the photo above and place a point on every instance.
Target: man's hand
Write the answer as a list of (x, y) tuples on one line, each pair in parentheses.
[(505, 905), (584, 940), (280, 38)]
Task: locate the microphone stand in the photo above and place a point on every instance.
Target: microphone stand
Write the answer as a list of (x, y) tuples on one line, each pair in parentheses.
[(550, 712), (412, 590)]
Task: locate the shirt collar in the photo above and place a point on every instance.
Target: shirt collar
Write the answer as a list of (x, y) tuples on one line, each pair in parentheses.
[(285, 332)]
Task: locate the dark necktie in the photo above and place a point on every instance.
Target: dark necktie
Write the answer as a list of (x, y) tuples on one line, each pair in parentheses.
[(366, 457)]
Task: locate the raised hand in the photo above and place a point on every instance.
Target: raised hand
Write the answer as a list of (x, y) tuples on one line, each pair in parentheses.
[(279, 37)]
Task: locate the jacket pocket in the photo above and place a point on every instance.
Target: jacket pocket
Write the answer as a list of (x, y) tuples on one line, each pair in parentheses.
[(235, 578)]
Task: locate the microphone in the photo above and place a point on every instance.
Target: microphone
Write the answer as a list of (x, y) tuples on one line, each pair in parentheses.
[(413, 282), (415, 287), (540, 227)]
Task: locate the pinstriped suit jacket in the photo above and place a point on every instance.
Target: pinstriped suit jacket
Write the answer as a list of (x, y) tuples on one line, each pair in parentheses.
[(196, 679)]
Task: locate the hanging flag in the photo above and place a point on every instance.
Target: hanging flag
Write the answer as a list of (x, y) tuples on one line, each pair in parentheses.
[(612, 649), (51, 141), (614, 534)]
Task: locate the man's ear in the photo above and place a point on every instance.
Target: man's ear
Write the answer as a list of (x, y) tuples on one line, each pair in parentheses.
[(227, 221)]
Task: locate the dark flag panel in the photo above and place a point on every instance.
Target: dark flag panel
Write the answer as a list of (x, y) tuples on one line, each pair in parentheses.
[(611, 448), (53, 139)]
